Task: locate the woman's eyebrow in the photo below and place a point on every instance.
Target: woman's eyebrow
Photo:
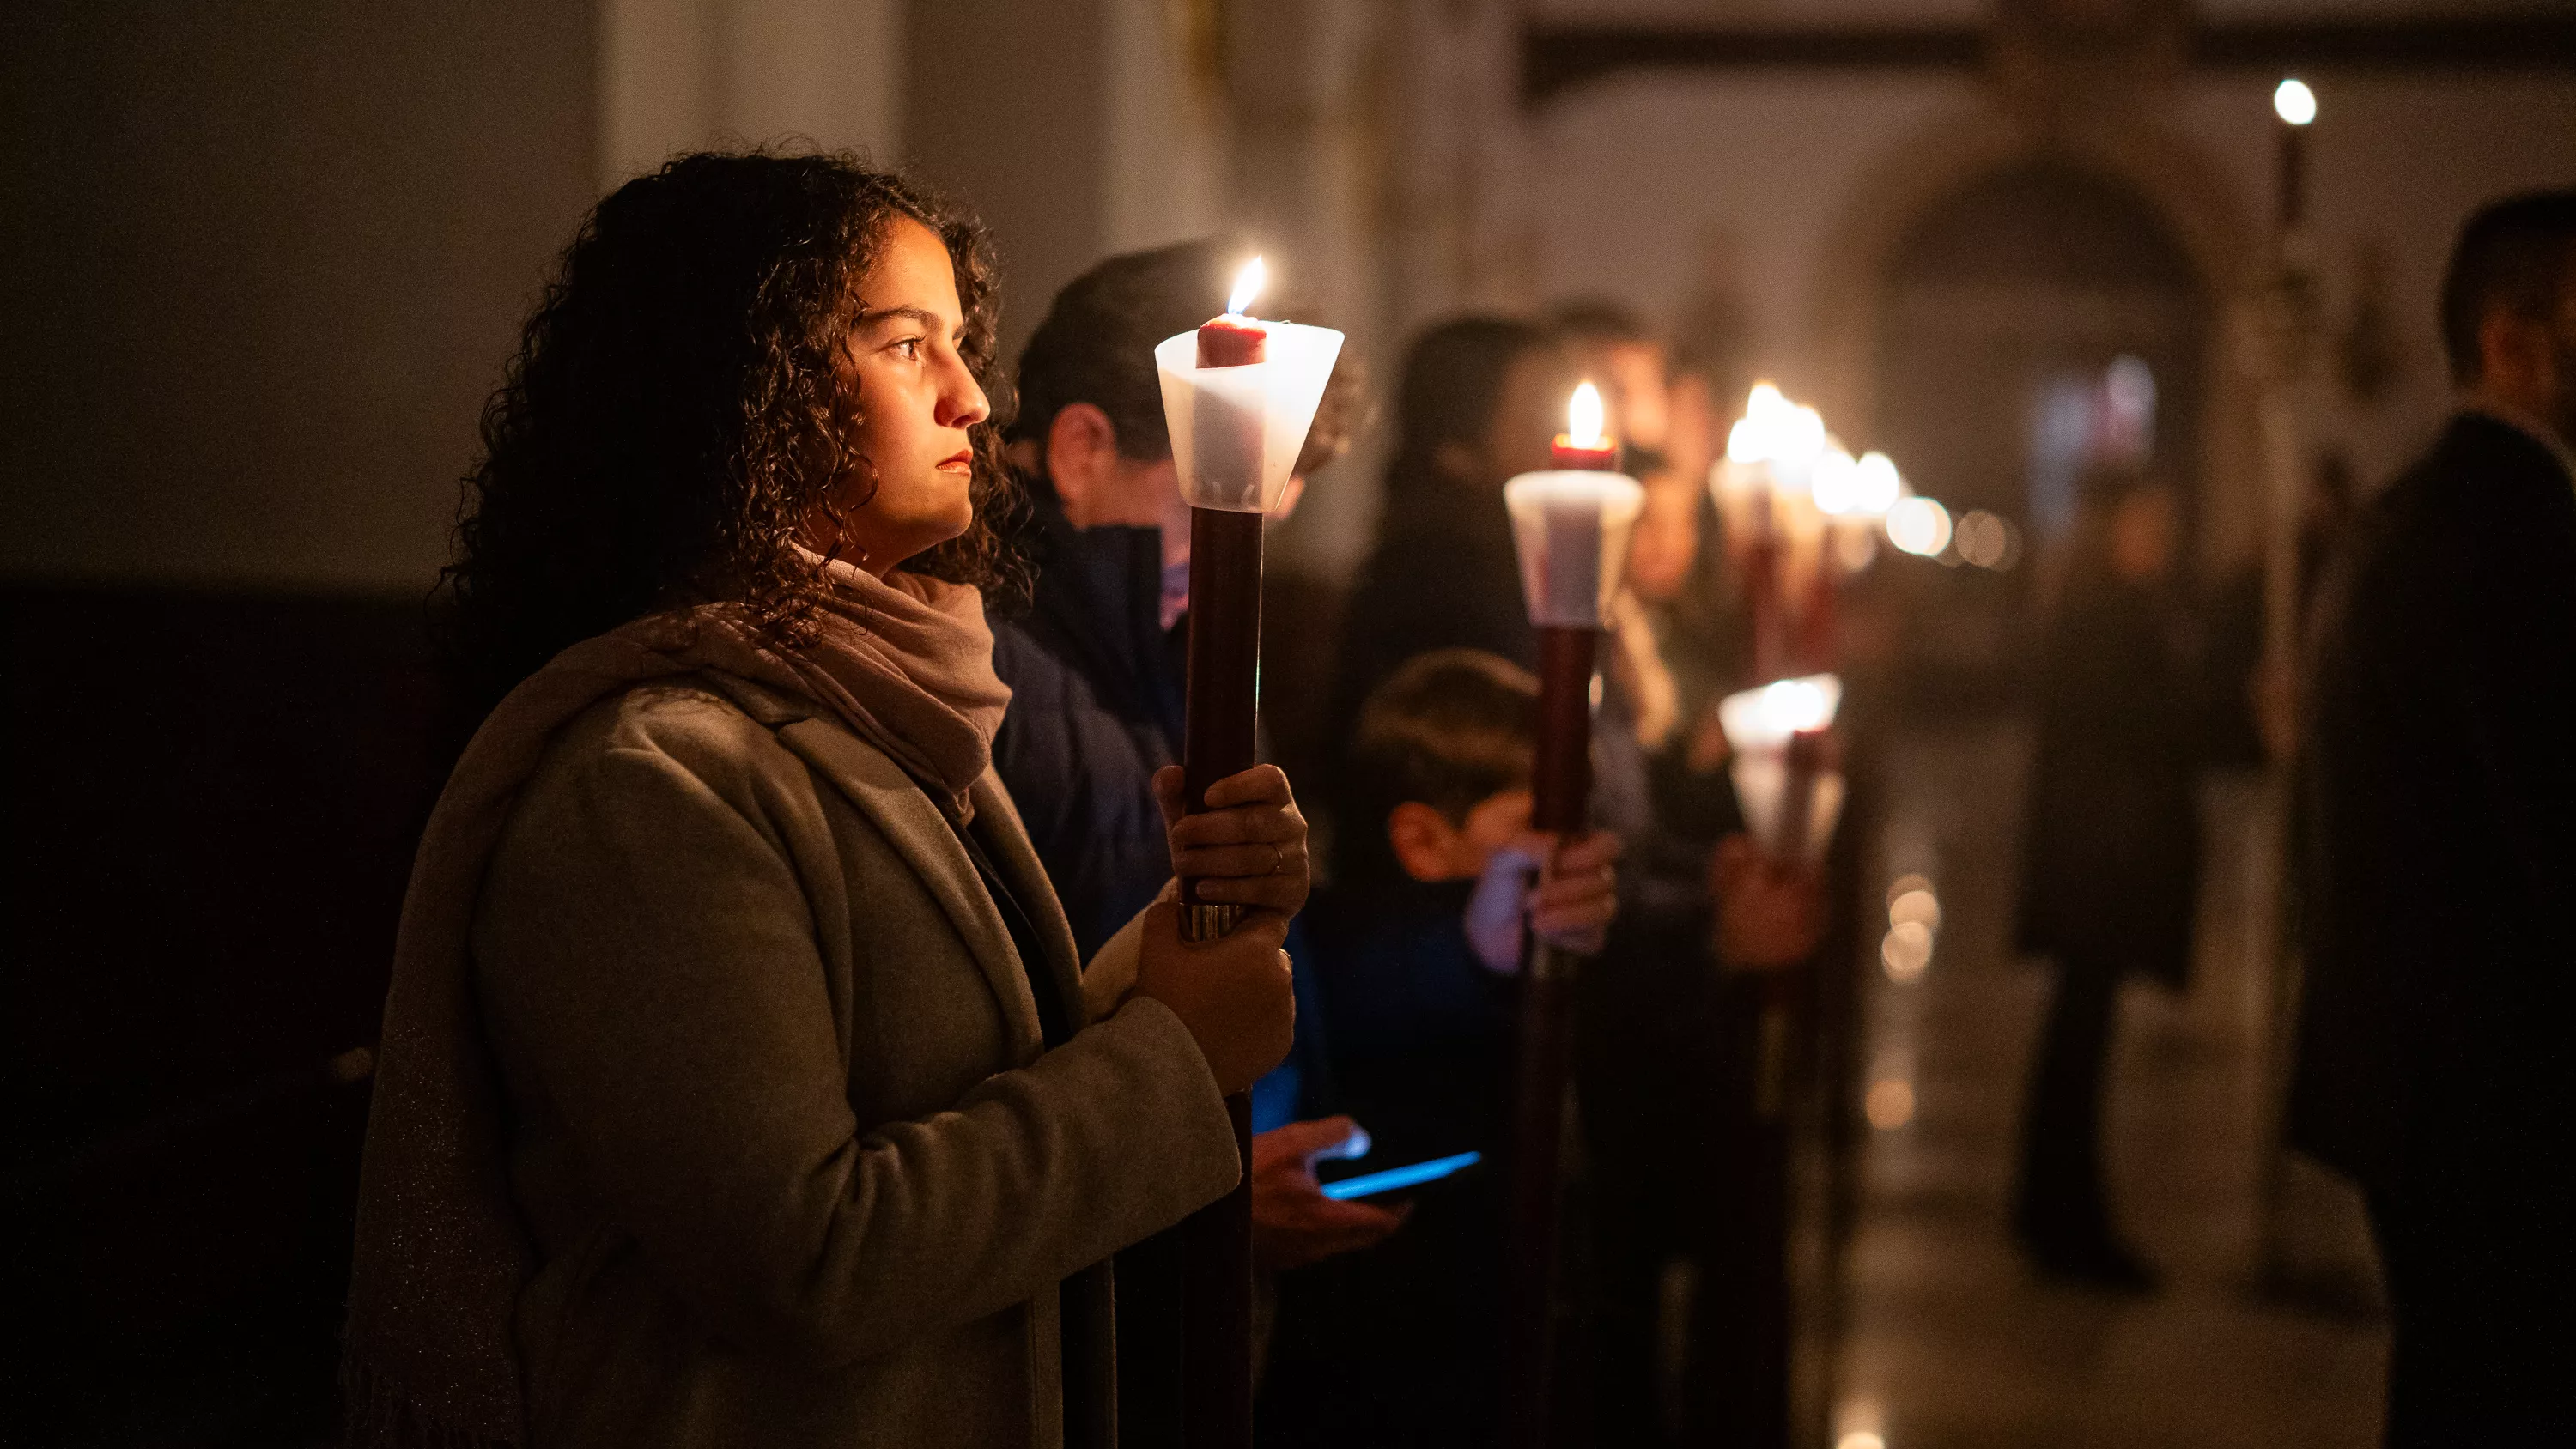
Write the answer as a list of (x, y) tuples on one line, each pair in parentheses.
[(918, 316)]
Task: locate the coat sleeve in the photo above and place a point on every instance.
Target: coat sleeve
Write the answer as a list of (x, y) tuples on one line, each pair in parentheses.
[(646, 955)]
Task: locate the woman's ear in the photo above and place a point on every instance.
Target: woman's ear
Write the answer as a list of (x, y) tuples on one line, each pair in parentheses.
[(1081, 460), (1425, 843)]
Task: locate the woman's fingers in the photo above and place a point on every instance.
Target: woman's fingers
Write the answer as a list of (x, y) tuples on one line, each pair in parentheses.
[(1260, 858), (1260, 785), (1241, 825), (1283, 894)]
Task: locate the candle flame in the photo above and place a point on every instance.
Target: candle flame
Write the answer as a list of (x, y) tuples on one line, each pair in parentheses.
[(1763, 719), (2293, 102), (1836, 482), (1583, 418), (1876, 484), (1793, 706), (1247, 285), (1803, 437)]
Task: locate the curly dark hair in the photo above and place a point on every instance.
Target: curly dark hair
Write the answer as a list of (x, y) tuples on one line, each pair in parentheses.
[(678, 410)]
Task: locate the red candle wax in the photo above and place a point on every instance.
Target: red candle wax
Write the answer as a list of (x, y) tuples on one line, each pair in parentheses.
[(1231, 341), (1563, 453)]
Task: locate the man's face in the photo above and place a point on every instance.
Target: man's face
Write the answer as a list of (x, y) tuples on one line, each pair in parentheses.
[(2560, 412)]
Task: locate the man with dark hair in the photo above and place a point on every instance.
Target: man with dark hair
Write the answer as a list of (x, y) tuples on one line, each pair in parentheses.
[(1097, 679), (2435, 1064)]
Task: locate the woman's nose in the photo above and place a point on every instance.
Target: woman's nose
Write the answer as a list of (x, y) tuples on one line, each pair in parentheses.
[(962, 403)]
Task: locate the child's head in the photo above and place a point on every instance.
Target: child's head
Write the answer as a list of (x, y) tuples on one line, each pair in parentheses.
[(1442, 760)]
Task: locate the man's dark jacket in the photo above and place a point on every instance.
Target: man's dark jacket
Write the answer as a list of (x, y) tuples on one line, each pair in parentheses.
[(1096, 706), (2435, 1063)]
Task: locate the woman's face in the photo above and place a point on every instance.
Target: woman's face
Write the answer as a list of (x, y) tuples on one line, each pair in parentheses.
[(907, 489), (1529, 414)]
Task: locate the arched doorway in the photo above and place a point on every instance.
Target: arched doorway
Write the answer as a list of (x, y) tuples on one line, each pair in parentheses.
[(2041, 315)]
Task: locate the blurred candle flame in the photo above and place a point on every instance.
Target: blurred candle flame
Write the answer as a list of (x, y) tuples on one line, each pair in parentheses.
[(1247, 285), (1793, 706), (1836, 483), (1757, 436), (1583, 418), (1875, 484)]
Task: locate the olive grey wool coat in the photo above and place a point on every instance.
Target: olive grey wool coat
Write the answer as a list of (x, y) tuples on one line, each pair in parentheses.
[(797, 1165)]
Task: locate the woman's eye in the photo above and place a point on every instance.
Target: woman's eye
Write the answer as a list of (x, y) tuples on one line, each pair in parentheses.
[(909, 348)]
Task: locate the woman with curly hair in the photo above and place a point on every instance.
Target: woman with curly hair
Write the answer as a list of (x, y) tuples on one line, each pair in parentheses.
[(740, 1082)]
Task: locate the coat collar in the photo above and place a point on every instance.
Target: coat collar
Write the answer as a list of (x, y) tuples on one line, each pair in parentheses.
[(903, 812), (1101, 589)]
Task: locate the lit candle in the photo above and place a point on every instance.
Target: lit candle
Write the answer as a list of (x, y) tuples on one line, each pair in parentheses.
[(1570, 527), (1238, 396), (1781, 765), (1583, 446), (1234, 339)]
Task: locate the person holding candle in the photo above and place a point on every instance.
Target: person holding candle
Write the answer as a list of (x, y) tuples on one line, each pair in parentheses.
[(1418, 946), (2433, 1064), (741, 1082), (1096, 717)]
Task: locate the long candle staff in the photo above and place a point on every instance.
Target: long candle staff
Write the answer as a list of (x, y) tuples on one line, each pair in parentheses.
[(1570, 526), (1239, 396)]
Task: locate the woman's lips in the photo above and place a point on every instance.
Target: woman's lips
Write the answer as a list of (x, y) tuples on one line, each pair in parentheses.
[(961, 461)]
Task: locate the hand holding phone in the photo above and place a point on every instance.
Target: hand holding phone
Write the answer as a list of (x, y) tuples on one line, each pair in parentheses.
[(1294, 1221)]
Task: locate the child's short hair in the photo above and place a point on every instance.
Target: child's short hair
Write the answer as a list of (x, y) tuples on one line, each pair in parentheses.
[(1451, 729)]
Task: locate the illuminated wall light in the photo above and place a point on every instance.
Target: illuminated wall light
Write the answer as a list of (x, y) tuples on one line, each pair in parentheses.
[(2293, 102), (1906, 951), (1919, 526), (1889, 1105), (1905, 885), (1860, 1439)]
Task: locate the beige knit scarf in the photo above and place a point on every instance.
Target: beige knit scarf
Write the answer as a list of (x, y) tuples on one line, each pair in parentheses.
[(907, 664)]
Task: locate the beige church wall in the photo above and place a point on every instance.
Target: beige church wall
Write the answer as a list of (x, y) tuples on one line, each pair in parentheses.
[(680, 75), (2396, 164), (1752, 174), (262, 266), (1796, 185)]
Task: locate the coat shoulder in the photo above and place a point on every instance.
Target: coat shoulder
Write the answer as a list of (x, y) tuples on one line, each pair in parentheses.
[(681, 726)]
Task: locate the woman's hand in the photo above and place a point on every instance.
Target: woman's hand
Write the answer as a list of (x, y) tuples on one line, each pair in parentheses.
[(1233, 993), (1769, 915), (1248, 848), (1293, 1223)]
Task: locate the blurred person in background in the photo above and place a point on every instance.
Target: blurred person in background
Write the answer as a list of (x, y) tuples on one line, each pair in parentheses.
[(2112, 851), (1676, 1152), (2436, 1065), (1090, 746), (1478, 400)]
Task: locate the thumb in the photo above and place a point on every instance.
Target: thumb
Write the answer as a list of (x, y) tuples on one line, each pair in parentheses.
[(1335, 1137), (1168, 782)]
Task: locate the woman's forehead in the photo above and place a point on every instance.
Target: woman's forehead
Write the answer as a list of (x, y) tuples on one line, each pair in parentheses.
[(912, 272)]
